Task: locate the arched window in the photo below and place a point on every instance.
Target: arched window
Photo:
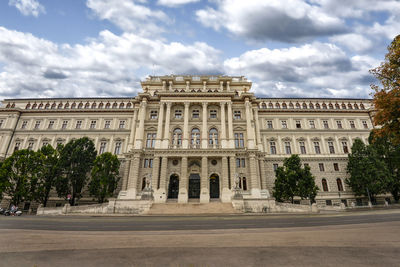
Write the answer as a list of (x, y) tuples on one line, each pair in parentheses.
[(330, 106), (349, 106), (304, 106), (362, 106), (143, 183), (87, 105), (311, 105), (94, 105), (297, 105), (195, 136), (53, 106), (40, 106), (66, 105), (343, 106), (108, 105), (177, 137), (325, 185), (339, 184), (323, 106), (33, 106), (317, 106), (115, 105), (291, 105), (128, 105), (263, 105), (355, 106), (337, 106), (277, 105), (73, 105), (270, 105), (101, 105), (80, 105), (28, 106), (121, 105), (243, 183), (284, 105), (213, 136), (47, 106)]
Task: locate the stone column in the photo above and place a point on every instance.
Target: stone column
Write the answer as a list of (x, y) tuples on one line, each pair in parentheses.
[(133, 177), (255, 185), (167, 130), (160, 126), (204, 132), (133, 130), (140, 132), (223, 126), (204, 183), (183, 182), (185, 141), (232, 165), (226, 193), (160, 194), (230, 126), (250, 132), (258, 133), (155, 172), (126, 176)]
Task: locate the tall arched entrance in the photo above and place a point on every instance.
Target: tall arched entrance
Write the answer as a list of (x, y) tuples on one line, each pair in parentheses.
[(214, 186), (194, 185), (173, 187)]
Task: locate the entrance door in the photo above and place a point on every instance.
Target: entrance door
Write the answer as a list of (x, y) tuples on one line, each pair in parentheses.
[(173, 188), (194, 186), (214, 186)]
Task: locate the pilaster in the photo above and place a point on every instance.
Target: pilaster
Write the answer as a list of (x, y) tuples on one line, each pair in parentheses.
[(140, 131), (204, 142), (167, 122), (133, 178), (133, 130), (223, 126), (204, 183), (185, 141), (250, 132), (183, 183), (230, 126), (160, 194), (226, 193), (255, 186), (160, 125)]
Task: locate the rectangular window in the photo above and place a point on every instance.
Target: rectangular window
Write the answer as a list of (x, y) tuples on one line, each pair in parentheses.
[(196, 114), (37, 124), (153, 114), (237, 115), (151, 140), (339, 124), (16, 147), (24, 123), (45, 143), (326, 125), (51, 124), (145, 163), (30, 145), (121, 124), (321, 167), (288, 148), (352, 125), (275, 166), (78, 124), (317, 148), (243, 162), (302, 148), (64, 125), (312, 124), (336, 167), (238, 163), (213, 114), (273, 147), (93, 124), (102, 147), (107, 124), (365, 124), (298, 124), (178, 114), (331, 147), (239, 140), (117, 149), (284, 124), (269, 125), (345, 147)]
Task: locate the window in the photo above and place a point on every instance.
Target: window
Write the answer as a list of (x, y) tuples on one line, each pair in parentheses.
[(324, 185), (148, 163), (178, 114), (321, 167), (64, 125), (24, 123), (273, 147), (331, 147), (288, 148), (121, 124), (30, 145), (195, 136), (78, 124), (365, 124), (16, 147), (269, 125), (45, 143), (51, 124), (243, 183), (153, 114), (213, 137), (298, 124), (352, 125), (117, 149), (345, 147), (1, 123), (339, 124), (102, 147), (239, 140), (93, 124), (328, 202), (339, 184), (151, 140), (196, 114), (107, 124), (317, 148), (177, 137), (326, 125), (284, 124), (302, 148), (237, 115), (312, 124), (37, 124), (213, 114), (336, 167), (240, 163), (275, 166), (306, 165)]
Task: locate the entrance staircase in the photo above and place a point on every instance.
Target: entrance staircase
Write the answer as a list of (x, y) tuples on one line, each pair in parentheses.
[(191, 208)]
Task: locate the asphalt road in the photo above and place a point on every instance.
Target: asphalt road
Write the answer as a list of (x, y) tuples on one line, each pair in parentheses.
[(162, 223)]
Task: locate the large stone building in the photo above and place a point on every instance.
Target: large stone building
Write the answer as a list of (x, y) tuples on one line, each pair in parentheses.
[(194, 137)]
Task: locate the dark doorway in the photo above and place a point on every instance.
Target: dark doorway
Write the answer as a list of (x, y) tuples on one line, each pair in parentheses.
[(173, 188), (214, 186), (194, 186)]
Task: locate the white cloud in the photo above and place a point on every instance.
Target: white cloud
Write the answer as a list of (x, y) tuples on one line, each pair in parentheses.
[(130, 16), (353, 41), (175, 3), (28, 7)]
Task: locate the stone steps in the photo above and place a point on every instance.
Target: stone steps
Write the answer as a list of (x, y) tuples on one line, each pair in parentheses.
[(191, 208)]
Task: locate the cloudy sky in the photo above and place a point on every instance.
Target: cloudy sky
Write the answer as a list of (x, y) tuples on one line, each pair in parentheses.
[(308, 48)]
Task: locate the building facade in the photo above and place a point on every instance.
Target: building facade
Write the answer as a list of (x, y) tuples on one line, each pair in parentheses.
[(195, 137)]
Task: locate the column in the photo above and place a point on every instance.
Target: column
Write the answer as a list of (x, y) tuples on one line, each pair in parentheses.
[(183, 182), (133, 177), (228, 88), (167, 130), (232, 164), (160, 194), (230, 126), (226, 193), (250, 132), (223, 126), (160, 126), (126, 175), (140, 132), (263, 174), (255, 185), (204, 183), (204, 132), (185, 141), (155, 172), (258, 132)]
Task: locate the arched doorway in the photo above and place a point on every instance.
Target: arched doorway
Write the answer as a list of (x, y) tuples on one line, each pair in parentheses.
[(194, 185), (173, 188), (214, 186)]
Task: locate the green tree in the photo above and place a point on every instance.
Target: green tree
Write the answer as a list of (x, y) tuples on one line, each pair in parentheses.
[(368, 172), (49, 171), (105, 177), (19, 173), (76, 161), (3, 180), (293, 180)]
